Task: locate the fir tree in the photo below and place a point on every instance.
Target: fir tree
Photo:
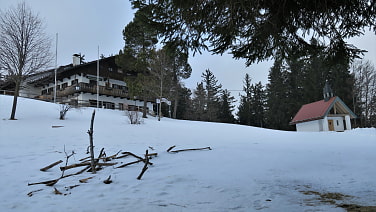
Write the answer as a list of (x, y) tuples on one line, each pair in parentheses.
[(226, 107), (199, 103), (244, 109), (257, 103), (212, 98)]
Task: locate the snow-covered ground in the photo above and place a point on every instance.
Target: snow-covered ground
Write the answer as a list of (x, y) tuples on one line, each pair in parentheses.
[(248, 169)]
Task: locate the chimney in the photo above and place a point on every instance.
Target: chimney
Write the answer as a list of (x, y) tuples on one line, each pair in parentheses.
[(76, 60)]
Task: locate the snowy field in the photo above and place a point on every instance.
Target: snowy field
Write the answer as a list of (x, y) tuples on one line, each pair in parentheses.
[(248, 169)]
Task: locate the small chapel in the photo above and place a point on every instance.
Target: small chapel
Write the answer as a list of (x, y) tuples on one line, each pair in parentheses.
[(329, 114)]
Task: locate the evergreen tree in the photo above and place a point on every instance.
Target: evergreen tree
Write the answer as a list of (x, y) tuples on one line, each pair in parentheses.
[(277, 98), (226, 107), (184, 108), (140, 40), (199, 103), (213, 90), (257, 30), (257, 103), (244, 108)]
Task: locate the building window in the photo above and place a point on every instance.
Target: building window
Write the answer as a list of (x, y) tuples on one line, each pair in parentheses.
[(337, 123), (50, 90), (64, 85), (74, 82)]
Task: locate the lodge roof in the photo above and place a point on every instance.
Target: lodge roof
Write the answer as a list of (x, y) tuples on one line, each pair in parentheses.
[(320, 109), (107, 67)]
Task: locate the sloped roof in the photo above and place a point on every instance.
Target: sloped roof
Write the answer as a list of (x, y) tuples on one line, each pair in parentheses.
[(320, 109)]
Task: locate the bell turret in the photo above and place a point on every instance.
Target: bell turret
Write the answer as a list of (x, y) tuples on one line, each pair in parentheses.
[(327, 91)]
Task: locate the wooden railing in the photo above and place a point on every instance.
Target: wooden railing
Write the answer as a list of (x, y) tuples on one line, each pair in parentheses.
[(84, 87)]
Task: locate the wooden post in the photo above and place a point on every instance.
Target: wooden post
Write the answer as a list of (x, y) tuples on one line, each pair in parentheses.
[(90, 132)]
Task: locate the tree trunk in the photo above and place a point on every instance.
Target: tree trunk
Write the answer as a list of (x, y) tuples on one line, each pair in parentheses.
[(175, 107), (15, 98), (144, 109)]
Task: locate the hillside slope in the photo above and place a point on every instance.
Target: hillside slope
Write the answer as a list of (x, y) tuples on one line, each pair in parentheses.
[(248, 169)]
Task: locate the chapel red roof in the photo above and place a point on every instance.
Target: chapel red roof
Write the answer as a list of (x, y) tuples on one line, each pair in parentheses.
[(313, 111)]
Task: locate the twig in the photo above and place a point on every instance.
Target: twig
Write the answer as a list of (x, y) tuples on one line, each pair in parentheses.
[(169, 149), (127, 164), (138, 157), (57, 192), (108, 180), (63, 168), (51, 165), (182, 150), (31, 193), (85, 180), (66, 161)]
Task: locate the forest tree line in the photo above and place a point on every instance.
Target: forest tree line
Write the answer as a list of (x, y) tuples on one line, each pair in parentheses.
[(294, 80), (300, 70)]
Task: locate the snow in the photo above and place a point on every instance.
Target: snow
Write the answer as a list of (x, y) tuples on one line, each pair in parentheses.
[(248, 169)]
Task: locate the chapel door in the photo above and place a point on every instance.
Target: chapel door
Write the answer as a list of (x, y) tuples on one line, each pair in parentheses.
[(331, 126)]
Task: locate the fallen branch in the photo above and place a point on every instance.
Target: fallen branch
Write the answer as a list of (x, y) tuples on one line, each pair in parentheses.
[(63, 168), (53, 182), (57, 192), (109, 157), (145, 166), (169, 149), (88, 157), (31, 193), (48, 182), (182, 150), (152, 154), (51, 165), (108, 180), (138, 157), (127, 164), (85, 180)]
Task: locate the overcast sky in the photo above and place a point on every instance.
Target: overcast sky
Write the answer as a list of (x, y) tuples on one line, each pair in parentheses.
[(83, 25)]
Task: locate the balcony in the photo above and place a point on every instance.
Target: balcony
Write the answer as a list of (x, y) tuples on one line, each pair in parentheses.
[(87, 88)]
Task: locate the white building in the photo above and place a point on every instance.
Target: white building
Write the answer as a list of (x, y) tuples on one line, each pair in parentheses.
[(77, 85), (329, 114)]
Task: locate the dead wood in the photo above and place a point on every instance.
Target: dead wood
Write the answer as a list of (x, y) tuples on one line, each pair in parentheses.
[(63, 168), (48, 182), (169, 149), (152, 154), (53, 182), (123, 156), (51, 165), (145, 166), (57, 191), (31, 193), (108, 180), (85, 180), (109, 157), (91, 132), (85, 158), (70, 187), (102, 153), (182, 150), (127, 164), (136, 156)]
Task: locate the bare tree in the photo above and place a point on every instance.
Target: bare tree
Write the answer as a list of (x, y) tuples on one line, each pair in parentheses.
[(365, 91), (24, 46)]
